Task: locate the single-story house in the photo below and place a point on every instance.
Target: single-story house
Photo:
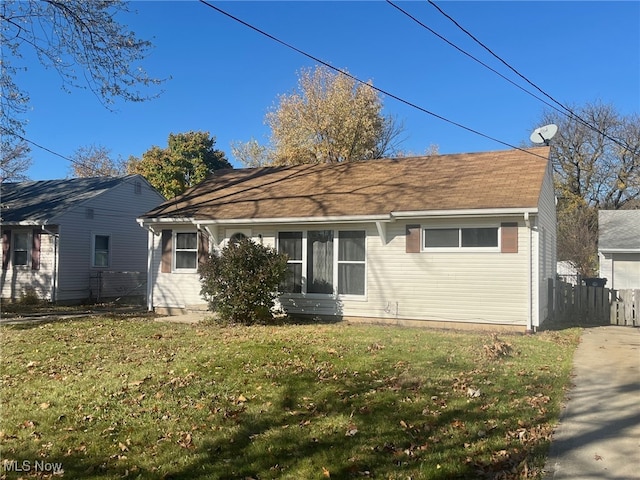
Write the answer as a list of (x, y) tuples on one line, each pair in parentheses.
[(447, 239), (619, 248), (73, 240)]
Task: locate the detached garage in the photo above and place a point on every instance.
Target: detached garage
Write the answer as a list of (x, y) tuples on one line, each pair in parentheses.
[(619, 248)]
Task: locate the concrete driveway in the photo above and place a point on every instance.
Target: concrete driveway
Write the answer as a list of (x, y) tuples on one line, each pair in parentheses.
[(598, 436)]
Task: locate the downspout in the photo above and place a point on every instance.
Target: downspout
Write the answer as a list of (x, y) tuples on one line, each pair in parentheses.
[(54, 279), (527, 222), (150, 243)]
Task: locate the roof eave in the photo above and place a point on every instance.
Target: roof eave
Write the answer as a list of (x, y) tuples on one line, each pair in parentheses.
[(468, 212), (619, 250), (390, 217)]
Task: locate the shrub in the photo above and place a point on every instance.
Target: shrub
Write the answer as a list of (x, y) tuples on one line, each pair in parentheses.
[(242, 283), (29, 296)]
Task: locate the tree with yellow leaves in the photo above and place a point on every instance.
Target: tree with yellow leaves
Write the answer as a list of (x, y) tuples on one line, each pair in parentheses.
[(330, 118)]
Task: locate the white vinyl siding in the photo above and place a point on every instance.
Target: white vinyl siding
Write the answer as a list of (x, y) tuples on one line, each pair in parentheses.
[(544, 249), (462, 286), (18, 281)]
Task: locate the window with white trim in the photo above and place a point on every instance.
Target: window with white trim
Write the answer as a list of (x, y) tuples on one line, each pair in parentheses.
[(351, 263), (101, 248), (290, 243), (186, 250), (21, 249), (483, 238), (325, 262)]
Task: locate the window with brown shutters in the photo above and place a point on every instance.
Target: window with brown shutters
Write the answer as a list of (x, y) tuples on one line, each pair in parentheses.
[(35, 249), (203, 247), (509, 237), (413, 238), (6, 249), (183, 251)]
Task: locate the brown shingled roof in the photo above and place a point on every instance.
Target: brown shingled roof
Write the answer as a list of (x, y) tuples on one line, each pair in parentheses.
[(501, 179)]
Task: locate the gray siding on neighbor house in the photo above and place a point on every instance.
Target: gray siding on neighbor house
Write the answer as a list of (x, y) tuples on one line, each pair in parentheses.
[(111, 213)]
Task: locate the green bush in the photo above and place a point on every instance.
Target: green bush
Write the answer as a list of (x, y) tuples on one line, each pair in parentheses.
[(242, 283)]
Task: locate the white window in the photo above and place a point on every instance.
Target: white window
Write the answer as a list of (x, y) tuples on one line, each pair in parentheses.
[(324, 262), (291, 244), (484, 238), (351, 263), (21, 249), (320, 261), (101, 251), (186, 251)]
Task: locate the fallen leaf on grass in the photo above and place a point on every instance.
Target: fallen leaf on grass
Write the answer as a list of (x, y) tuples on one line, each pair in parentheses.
[(326, 472)]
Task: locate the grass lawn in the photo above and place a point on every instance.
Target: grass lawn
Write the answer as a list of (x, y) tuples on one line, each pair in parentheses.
[(111, 398)]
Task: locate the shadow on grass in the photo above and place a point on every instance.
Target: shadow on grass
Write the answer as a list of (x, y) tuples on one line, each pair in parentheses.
[(326, 415), (364, 437)]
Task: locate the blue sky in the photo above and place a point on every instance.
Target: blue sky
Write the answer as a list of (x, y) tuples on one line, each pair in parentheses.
[(226, 76)]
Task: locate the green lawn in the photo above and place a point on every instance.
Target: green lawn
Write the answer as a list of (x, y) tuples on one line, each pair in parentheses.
[(133, 398)]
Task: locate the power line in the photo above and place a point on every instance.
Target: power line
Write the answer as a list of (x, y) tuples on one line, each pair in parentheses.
[(504, 62), (42, 147), (356, 79), (464, 52)]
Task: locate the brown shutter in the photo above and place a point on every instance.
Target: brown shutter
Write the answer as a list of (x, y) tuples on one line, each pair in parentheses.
[(509, 237), (6, 248), (166, 251), (203, 247), (35, 250), (413, 238)]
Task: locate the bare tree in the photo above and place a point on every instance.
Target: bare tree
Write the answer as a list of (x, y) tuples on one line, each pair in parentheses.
[(596, 162), (95, 161), (329, 118), (82, 41), (14, 161), (599, 165)]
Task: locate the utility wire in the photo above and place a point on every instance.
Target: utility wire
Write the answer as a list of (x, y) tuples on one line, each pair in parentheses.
[(504, 62), (471, 56), (75, 162), (356, 79)]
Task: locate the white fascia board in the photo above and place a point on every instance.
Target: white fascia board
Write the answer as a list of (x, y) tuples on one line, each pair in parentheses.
[(471, 212), (263, 221), (619, 250), (25, 223), (489, 212)]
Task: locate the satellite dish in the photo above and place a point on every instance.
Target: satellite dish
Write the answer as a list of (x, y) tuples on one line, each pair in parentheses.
[(543, 134)]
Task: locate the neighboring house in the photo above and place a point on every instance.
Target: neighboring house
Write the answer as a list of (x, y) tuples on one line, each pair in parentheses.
[(62, 239), (619, 248), (450, 239)]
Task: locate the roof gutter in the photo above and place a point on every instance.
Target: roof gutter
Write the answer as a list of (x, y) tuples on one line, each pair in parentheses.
[(388, 217), (262, 221), (619, 250), (468, 212)]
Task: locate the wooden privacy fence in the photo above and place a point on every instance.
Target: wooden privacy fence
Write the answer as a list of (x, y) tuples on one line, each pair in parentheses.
[(584, 305), (625, 308)]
